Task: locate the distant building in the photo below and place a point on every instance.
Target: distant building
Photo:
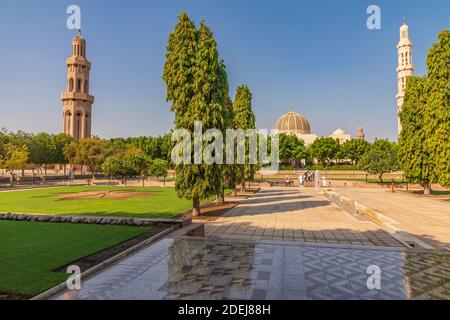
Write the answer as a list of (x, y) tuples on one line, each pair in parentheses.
[(361, 134), (77, 102), (341, 135), (293, 123)]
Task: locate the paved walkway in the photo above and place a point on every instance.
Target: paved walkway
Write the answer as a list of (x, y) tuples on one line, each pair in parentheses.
[(423, 217), (204, 268), (280, 264), (285, 214)]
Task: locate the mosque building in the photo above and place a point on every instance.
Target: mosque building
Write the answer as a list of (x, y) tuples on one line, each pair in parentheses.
[(293, 123)]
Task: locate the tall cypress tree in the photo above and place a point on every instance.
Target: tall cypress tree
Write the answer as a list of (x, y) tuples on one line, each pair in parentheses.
[(415, 158), (437, 118), (425, 117), (195, 85), (211, 91), (244, 119)]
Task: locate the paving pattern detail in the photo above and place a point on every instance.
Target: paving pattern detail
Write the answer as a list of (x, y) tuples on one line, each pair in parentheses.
[(199, 268)]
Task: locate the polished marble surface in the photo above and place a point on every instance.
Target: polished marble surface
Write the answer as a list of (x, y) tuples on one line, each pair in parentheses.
[(207, 268)]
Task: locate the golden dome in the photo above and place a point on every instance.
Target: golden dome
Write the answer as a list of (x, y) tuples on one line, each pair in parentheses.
[(293, 122)]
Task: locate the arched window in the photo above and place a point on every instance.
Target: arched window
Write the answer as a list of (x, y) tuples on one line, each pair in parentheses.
[(78, 126), (71, 85), (86, 125), (67, 122), (86, 86), (79, 85)]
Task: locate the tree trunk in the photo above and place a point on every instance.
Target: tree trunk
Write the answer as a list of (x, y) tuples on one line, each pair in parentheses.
[(235, 192), (164, 182), (220, 198), (427, 188), (143, 181), (11, 178), (45, 169), (381, 178), (196, 207), (243, 186)]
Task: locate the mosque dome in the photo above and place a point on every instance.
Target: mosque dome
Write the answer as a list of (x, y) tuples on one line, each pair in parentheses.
[(338, 132), (293, 122)]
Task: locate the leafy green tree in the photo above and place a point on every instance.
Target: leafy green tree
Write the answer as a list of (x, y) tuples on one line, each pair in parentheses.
[(4, 139), (244, 119), (324, 149), (113, 167), (41, 150), (59, 142), (92, 152), (354, 149), (425, 117), (229, 170), (381, 158), (291, 149), (14, 157), (158, 168), (192, 75), (70, 152), (438, 107), (415, 156), (141, 164), (179, 76), (209, 101)]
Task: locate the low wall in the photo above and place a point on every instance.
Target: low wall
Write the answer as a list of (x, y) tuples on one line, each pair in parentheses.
[(181, 222)]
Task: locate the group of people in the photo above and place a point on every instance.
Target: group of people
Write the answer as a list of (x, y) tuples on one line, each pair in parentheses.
[(308, 176)]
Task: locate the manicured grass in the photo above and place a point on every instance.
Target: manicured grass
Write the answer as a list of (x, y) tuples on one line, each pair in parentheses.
[(161, 202), (30, 251)]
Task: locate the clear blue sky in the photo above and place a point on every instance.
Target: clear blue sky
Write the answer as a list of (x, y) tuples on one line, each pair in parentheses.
[(317, 55)]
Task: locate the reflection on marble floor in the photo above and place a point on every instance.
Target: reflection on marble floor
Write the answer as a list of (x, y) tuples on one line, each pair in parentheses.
[(198, 268)]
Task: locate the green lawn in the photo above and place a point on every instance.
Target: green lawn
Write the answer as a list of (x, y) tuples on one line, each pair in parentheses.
[(162, 202), (30, 251)]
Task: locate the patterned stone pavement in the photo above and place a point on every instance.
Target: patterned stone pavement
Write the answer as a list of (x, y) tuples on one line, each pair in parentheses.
[(426, 218), (206, 268), (285, 214)]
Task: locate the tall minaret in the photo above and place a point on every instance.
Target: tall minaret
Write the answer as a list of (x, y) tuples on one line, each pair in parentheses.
[(405, 67), (77, 103), (361, 135)]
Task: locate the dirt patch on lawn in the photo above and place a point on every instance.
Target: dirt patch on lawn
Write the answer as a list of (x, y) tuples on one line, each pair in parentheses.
[(211, 211), (112, 194)]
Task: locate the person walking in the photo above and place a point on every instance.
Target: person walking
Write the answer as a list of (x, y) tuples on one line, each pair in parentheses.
[(300, 182), (288, 181)]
